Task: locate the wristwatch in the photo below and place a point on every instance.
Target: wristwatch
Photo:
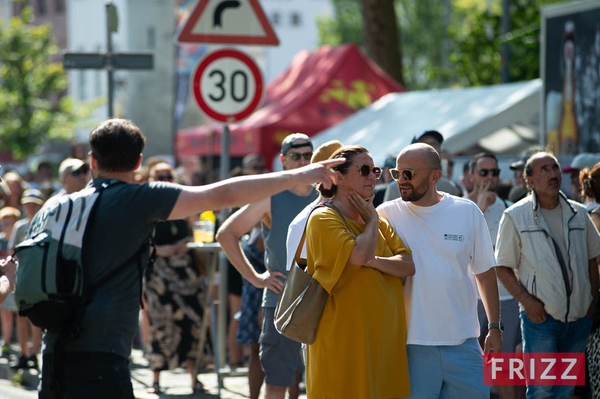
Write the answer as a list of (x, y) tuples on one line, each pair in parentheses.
[(496, 324)]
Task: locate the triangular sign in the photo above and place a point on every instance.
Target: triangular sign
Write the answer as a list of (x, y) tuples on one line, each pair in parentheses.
[(228, 22)]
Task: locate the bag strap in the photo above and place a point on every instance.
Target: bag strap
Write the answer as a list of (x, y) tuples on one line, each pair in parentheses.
[(303, 239)]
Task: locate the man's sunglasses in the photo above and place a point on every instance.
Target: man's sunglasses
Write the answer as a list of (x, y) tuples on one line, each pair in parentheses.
[(164, 177), (407, 174), (365, 170), (485, 172), (296, 156)]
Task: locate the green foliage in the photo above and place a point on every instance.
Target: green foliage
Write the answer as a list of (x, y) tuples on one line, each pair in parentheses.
[(464, 52), (345, 27), (477, 41), (32, 110)]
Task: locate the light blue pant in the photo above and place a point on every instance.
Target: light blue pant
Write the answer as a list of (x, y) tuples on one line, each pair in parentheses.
[(553, 336), (447, 372)]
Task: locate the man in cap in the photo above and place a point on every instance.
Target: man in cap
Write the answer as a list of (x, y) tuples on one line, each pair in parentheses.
[(73, 173), (279, 356), (580, 162), (32, 201), (296, 229), (434, 139)]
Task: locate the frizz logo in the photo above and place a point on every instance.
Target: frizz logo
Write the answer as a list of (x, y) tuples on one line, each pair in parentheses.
[(534, 369)]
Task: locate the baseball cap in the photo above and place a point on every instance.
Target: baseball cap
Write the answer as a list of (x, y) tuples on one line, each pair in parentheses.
[(582, 161), (433, 133), (288, 142), (70, 165), (520, 164), (32, 195), (325, 150)]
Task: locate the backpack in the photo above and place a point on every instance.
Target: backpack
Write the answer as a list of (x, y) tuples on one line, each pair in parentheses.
[(49, 281)]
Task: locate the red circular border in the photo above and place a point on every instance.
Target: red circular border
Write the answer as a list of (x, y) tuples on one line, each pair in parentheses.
[(205, 63)]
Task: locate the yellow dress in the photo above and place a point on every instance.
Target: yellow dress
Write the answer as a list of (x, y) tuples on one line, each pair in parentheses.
[(360, 348)]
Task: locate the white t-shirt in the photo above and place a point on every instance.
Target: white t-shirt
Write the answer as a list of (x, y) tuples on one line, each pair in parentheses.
[(492, 216), (450, 243), (295, 231)]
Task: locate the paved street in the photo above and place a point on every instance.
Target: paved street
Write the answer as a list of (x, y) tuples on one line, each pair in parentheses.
[(175, 384)]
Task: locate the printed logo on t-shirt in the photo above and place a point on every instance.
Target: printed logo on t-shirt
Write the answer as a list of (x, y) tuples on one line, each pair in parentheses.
[(454, 237)]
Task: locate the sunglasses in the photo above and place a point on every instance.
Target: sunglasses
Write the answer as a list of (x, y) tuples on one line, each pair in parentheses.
[(485, 172), (365, 170), (78, 172), (164, 177), (407, 174), (296, 156)]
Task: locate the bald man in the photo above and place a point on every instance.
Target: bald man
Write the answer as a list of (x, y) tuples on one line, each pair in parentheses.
[(453, 255)]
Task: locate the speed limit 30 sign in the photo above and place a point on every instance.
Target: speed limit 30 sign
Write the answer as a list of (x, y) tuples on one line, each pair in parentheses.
[(227, 85)]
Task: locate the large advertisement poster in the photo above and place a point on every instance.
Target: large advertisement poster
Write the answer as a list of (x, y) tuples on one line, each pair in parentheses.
[(571, 74)]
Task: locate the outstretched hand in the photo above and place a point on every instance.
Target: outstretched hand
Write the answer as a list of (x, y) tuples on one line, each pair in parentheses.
[(320, 172)]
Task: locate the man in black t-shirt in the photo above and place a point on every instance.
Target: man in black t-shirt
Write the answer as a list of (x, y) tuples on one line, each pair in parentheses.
[(95, 364)]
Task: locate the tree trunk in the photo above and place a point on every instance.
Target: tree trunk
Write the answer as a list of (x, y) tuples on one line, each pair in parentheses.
[(382, 37)]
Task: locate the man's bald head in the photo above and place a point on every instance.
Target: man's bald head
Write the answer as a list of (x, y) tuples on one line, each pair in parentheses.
[(422, 153)]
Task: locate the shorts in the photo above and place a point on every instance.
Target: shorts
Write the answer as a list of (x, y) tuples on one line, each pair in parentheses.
[(234, 280), (9, 303), (451, 371), (280, 357), (249, 326)]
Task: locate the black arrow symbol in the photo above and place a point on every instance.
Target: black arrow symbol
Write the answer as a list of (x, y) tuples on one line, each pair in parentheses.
[(221, 8)]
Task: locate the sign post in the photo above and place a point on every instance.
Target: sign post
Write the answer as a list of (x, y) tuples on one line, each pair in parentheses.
[(228, 87), (109, 60)]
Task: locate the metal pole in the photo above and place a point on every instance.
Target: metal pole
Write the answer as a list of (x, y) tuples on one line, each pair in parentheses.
[(223, 265), (109, 67), (504, 48)]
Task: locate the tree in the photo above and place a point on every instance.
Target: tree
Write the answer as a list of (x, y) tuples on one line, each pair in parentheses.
[(477, 38), (406, 56), (382, 36), (371, 24), (32, 108)]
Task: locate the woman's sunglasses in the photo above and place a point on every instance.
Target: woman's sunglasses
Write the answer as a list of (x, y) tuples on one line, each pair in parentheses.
[(365, 170), (485, 172)]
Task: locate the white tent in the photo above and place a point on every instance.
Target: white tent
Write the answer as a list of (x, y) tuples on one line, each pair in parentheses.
[(503, 119)]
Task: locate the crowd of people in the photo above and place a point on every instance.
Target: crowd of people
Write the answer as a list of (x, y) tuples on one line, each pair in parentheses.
[(424, 273)]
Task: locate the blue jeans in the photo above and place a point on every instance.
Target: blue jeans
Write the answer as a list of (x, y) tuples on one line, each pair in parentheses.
[(554, 336)]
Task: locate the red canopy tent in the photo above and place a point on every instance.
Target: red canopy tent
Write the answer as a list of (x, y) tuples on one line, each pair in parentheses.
[(318, 90)]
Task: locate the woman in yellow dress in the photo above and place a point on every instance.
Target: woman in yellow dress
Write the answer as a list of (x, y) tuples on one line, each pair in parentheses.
[(360, 347)]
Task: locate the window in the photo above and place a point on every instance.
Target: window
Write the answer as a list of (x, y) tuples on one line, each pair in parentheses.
[(42, 7), (60, 6), (275, 18), (296, 19)]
